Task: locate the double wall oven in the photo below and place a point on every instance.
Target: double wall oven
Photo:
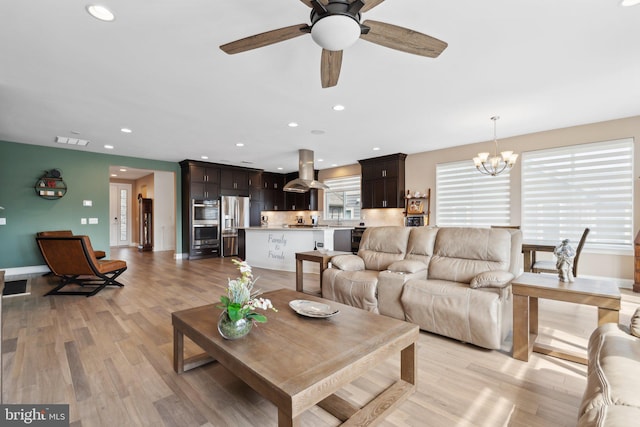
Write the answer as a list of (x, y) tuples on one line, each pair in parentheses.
[(205, 226)]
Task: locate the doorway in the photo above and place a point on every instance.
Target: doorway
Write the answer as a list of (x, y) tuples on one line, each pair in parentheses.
[(119, 214)]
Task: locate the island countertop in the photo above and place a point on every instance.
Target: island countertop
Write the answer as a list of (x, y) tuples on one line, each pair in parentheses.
[(274, 247), (300, 228)]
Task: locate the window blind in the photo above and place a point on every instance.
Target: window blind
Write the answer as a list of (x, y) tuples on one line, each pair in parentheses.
[(342, 199), (567, 189), (465, 197)]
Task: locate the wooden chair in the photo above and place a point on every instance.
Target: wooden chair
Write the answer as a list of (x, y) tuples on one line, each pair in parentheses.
[(66, 233), (550, 266), (73, 260)]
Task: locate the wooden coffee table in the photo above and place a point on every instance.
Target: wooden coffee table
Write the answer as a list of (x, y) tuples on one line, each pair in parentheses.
[(297, 362), (530, 286)]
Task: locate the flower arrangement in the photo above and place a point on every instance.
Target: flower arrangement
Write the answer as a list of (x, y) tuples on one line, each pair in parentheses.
[(241, 299)]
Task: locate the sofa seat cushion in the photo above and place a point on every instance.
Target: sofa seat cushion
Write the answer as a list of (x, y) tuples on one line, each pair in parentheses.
[(455, 310), (613, 370), (354, 288)]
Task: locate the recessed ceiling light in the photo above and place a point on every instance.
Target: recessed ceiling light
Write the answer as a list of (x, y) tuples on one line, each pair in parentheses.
[(279, 168), (75, 132), (100, 12), (204, 157), (334, 165), (627, 3), (109, 147), (376, 148), (114, 174), (239, 144), (338, 107), (317, 132), (123, 170), (293, 125), (126, 130)]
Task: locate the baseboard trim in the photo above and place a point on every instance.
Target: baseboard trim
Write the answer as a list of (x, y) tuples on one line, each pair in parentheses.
[(20, 273)]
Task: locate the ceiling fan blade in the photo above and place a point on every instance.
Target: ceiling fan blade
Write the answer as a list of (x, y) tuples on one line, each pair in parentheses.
[(265, 39), (370, 4), (308, 2), (330, 64), (403, 39)]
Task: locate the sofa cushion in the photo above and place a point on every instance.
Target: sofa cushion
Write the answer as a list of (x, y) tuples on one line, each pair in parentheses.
[(462, 253), (421, 242), (635, 323), (407, 266), (492, 279), (348, 262), (381, 246)]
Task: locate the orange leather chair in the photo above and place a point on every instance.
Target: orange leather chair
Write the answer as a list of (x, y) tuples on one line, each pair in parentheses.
[(73, 260)]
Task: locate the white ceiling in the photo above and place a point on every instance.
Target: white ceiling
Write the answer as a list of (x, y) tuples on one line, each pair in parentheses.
[(157, 69)]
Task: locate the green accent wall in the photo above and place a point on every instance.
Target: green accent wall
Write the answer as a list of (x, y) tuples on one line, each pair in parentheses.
[(87, 177)]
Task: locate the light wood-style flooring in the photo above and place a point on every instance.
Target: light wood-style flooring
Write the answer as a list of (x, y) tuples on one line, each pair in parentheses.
[(110, 358)]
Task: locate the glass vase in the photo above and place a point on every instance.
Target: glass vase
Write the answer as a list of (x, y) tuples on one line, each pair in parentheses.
[(233, 330)]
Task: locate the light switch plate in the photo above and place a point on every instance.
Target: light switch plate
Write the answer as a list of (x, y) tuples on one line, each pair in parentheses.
[(3, 221), (83, 221), (93, 220), (87, 203)]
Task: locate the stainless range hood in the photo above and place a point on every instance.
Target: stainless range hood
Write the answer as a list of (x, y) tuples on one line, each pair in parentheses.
[(306, 175)]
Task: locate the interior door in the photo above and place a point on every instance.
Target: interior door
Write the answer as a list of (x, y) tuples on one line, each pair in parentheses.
[(119, 214)]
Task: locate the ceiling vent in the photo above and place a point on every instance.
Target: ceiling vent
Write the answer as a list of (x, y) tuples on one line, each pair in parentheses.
[(306, 175), (71, 141)]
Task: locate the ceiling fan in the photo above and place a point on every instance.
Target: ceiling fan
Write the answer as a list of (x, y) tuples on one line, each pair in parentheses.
[(335, 25)]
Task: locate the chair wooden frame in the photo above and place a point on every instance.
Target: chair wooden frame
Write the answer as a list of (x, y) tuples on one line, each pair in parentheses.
[(73, 260), (550, 266)]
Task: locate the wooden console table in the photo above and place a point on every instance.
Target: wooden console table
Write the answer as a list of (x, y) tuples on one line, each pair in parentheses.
[(530, 286)]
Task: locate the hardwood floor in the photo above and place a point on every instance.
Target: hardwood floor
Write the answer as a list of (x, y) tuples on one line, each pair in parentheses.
[(110, 358)]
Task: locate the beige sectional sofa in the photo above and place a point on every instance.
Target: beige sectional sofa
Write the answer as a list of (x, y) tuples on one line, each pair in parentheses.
[(612, 395), (450, 281)]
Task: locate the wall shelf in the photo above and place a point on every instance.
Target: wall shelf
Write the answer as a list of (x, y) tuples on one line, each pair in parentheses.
[(50, 188)]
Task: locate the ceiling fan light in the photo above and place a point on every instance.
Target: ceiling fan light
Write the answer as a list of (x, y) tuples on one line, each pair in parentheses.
[(335, 32)]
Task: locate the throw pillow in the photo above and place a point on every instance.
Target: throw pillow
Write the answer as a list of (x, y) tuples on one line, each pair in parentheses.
[(635, 323), (407, 266), (492, 279), (348, 262)]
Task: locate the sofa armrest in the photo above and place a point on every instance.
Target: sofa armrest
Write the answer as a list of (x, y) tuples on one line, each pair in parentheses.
[(390, 287), (408, 266), (348, 262), (492, 279)]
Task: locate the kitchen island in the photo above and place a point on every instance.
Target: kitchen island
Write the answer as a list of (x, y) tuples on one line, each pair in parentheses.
[(275, 247)]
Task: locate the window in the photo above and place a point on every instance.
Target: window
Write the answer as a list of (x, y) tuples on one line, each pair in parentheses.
[(567, 189), (342, 199), (465, 197)]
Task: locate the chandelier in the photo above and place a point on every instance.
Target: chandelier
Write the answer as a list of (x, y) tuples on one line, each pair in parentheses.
[(497, 164)]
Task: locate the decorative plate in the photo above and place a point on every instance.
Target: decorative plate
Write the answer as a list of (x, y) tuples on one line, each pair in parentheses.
[(312, 308)]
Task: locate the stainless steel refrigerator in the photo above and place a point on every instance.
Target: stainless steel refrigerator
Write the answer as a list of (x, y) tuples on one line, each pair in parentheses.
[(234, 214)]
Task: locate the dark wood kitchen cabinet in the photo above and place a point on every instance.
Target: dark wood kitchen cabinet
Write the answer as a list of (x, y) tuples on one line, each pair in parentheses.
[(204, 182), (272, 194), (383, 181), (234, 182)]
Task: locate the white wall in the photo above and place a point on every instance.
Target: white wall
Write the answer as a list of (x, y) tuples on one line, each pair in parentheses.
[(164, 201)]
